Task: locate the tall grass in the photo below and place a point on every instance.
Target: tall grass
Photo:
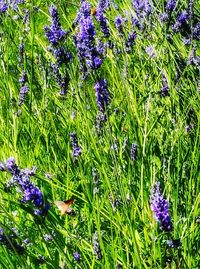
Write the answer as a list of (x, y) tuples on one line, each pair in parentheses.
[(38, 133)]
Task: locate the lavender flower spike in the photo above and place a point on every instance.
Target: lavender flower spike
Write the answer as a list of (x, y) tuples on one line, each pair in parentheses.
[(160, 206), (55, 34), (102, 94)]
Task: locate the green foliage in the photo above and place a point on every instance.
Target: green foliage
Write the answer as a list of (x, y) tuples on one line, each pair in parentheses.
[(38, 133)]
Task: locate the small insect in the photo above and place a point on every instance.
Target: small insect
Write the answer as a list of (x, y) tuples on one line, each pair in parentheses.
[(93, 11), (65, 206)]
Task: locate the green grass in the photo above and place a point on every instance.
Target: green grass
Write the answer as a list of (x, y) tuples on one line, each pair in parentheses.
[(38, 133)]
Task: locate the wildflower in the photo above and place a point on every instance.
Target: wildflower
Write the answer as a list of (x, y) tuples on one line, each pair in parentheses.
[(23, 78), (170, 6), (135, 22), (30, 192), (119, 21), (151, 51), (96, 246), (164, 17), (3, 7), (181, 21), (174, 243), (142, 8), (88, 55), (196, 31), (102, 94), (101, 118), (133, 152), (96, 180), (130, 42), (55, 33), (23, 91), (101, 18), (77, 257), (193, 59), (165, 86), (159, 206), (62, 55), (76, 150)]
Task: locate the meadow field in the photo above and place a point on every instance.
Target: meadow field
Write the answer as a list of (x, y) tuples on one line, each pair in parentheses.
[(100, 134)]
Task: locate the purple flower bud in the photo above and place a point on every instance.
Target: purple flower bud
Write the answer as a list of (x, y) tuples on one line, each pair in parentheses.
[(96, 246), (119, 21), (54, 34), (102, 94), (165, 87), (160, 206), (76, 150), (133, 152), (77, 256), (3, 7), (170, 6)]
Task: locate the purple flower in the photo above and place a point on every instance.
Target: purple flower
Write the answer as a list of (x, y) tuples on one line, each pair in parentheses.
[(196, 31), (193, 59), (102, 94), (55, 34), (130, 42), (62, 81), (174, 243), (170, 6), (30, 192), (3, 7), (119, 21), (96, 246), (76, 150), (101, 18), (62, 55), (159, 206), (133, 152), (142, 8), (23, 78), (165, 87), (151, 51), (135, 22), (164, 17), (101, 118), (77, 257), (88, 55), (23, 91), (181, 21)]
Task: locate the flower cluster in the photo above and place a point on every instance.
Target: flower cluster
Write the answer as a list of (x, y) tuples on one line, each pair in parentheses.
[(3, 7), (101, 18), (21, 179), (102, 94), (24, 88), (165, 87), (96, 246), (133, 152), (130, 41), (89, 56), (142, 8), (119, 22), (56, 35), (159, 206), (76, 150), (181, 22)]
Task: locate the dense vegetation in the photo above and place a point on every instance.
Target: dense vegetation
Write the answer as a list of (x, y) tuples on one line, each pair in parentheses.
[(99, 134)]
